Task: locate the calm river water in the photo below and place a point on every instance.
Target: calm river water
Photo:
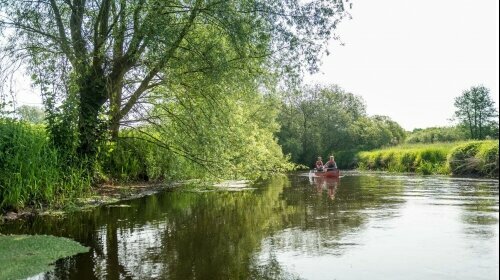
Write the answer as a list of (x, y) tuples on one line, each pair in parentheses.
[(362, 226)]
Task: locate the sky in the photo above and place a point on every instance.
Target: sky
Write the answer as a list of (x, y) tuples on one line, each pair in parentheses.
[(409, 59)]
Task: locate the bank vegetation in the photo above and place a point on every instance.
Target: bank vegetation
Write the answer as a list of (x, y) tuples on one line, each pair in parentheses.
[(466, 158)]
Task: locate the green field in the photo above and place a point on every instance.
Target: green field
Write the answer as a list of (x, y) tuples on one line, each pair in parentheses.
[(471, 158)]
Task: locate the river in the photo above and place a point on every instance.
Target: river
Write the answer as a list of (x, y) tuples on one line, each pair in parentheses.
[(361, 226)]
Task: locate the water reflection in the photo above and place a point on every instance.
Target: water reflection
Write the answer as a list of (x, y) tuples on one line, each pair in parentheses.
[(364, 225), (325, 183)]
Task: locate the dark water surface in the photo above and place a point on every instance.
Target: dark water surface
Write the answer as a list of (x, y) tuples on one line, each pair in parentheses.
[(363, 226)]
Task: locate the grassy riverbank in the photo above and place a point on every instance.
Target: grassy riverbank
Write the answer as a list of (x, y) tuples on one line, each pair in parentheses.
[(36, 175), (472, 158), (22, 256)]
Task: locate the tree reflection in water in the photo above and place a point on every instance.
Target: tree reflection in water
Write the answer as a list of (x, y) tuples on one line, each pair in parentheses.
[(238, 235)]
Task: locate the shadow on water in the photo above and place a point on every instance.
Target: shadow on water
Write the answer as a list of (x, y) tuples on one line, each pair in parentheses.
[(236, 235)]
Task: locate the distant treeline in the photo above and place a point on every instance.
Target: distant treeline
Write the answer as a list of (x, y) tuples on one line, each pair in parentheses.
[(320, 121), (326, 120), (447, 134), (472, 158)]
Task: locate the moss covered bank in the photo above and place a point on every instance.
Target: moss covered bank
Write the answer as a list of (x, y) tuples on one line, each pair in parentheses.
[(22, 256)]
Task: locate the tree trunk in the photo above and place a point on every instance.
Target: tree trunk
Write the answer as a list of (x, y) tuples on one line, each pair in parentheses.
[(93, 95), (480, 124), (114, 128), (469, 118), (115, 106)]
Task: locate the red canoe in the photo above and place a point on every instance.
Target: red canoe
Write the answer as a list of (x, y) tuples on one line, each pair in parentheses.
[(335, 173)]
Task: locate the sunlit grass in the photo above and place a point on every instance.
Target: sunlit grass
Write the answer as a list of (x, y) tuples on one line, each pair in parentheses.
[(458, 158)]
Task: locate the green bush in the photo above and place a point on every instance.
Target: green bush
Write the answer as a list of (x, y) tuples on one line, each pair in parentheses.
[(125, 160), (475, 158), (346, 159), (488, 156), (408, 159)]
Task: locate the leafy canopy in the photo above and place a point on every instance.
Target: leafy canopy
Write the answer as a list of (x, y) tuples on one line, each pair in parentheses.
[(99, 63), (476, 111)]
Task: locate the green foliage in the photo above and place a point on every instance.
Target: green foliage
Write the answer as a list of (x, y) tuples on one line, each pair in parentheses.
[(22, 256), (31, 171), (136, 157), (476, 111), (225, 130), (327, 120), (375, 132), (239, 143), (475, 158), (62, 127), (437, 134), (460, 158), (125, 160), (111, 55)]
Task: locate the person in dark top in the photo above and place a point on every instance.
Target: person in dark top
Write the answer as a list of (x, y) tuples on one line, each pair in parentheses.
[(331, 164)]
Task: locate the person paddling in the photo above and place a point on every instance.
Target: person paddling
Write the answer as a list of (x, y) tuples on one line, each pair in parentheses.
[(330, 164)]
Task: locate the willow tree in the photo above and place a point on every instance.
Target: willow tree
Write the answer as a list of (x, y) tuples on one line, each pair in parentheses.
[(107, 56)]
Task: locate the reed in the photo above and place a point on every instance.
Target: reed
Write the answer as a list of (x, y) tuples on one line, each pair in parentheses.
[(31, 171)]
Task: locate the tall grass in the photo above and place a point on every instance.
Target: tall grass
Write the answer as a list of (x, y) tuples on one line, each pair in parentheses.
[(475, 158), (31, 171), (460, 158)]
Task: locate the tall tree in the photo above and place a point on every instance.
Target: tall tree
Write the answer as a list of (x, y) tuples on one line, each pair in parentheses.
[(108, 56), (476, 110)]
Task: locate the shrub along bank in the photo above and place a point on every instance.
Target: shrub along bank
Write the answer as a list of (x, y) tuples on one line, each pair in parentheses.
[(473, 158), (34, 173)]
